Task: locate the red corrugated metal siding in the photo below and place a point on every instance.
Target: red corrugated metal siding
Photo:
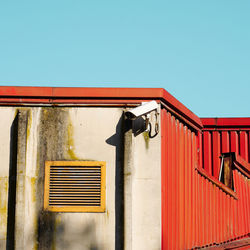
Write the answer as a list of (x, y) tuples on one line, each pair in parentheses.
[(222, 135), (217, 141), (178, 183), (196, 209)]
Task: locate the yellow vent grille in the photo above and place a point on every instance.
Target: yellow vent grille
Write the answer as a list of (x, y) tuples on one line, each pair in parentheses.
[(74, 186)]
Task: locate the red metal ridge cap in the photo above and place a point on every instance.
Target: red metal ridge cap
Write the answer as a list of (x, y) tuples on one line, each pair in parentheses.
[(101, 93), (226, 122)]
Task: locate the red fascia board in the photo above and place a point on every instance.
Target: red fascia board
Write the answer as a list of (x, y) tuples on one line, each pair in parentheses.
[(117, 93), (11, 91), (226, 122), (57, 92), (22, 94)]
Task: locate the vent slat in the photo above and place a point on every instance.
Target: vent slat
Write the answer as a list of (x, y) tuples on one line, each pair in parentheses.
[(74, 195), (75, 167), (75, 171), (68, 184), (87, 190), (71, 174), (74, 199), (76, 204), (75, 177), (76, 182), (74, 186), (78, 179)]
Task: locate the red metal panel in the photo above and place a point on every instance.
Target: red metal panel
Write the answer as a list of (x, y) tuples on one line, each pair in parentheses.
[(170, 180), (179, 205), (163, 178), (225, 142), (177, 184), (207, 155), (235, 142), (244, 144), (189, 189), (204, 211), (216, 153), (201, 223), (185, 185), (235, 136), (199, 149), (182, 188), (235, 217), (193, 190), (247, 212)]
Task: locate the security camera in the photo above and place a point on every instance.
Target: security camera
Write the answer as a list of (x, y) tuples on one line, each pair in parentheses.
[(144, 109)]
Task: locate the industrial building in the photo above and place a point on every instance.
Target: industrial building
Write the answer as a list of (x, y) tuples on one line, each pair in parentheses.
[(119, 168)]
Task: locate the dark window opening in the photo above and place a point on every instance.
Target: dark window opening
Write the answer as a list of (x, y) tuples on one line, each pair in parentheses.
[(226, 170)]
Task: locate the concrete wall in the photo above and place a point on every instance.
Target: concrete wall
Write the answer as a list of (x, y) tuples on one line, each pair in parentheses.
[(30, 136), (142, 175), (7, 117)]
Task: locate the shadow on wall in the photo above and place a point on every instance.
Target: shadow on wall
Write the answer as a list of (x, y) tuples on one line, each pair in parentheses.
[(117, 140), (12, 185), (64, 235)]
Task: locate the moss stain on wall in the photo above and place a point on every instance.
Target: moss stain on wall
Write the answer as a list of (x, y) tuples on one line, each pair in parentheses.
[(33, 188), (70, 142), (146, 139), (53, 137), (29, 125), (3, 195)]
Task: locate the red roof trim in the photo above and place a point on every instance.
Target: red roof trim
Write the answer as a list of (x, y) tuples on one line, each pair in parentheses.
[(242, 165), (226, 122), (11, 95), (220, 185)]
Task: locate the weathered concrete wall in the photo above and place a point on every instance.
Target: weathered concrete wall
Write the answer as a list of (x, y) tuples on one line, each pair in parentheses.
[(7, 117), (85, 133), (142, 175)]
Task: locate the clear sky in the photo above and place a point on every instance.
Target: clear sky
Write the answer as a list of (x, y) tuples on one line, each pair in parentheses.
[(198, 50)]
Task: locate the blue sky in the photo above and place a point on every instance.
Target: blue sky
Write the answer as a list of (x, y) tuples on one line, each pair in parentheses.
[(198, 50)]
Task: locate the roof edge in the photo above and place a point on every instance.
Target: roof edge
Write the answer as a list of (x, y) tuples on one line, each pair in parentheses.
[(226, 122), (22, 94)]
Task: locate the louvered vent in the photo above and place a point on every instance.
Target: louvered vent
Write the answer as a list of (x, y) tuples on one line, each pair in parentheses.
[(75, 186)]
